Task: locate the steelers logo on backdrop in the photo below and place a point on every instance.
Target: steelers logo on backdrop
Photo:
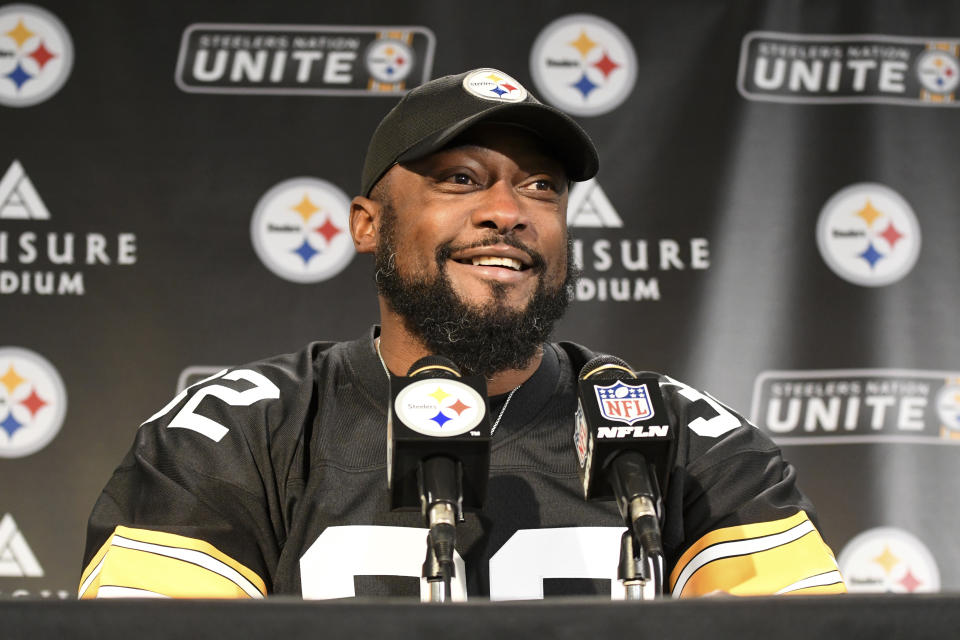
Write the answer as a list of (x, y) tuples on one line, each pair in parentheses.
[(33, 402), (868, 235), (938, 72), (888, 560), (301, 230), (389, 61), (493, 84), (36, 55), (948, 407), (441, 408), (583, 64)]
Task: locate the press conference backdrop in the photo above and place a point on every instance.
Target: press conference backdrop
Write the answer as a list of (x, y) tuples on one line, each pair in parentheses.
[(774, 221)]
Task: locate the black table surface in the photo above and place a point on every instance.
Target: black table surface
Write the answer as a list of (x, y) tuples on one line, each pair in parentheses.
[(717, 618)]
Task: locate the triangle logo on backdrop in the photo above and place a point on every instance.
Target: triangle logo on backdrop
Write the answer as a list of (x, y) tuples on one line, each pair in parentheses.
[(18, 199), (589, 206), (16, 557)]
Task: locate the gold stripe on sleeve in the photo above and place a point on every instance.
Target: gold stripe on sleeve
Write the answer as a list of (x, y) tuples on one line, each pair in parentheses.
[(166, 564), (782, 556)]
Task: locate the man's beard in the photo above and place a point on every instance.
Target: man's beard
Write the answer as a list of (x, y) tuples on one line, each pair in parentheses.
[(481, 340)]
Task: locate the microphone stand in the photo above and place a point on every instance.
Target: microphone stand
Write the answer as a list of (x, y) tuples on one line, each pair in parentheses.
[(641, 564), (441, 496)]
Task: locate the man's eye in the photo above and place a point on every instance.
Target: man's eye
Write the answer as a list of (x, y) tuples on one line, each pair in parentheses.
[(460, 178), (543, 184)]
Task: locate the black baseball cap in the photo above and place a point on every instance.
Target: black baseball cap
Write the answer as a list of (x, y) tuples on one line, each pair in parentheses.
[(428, 117)]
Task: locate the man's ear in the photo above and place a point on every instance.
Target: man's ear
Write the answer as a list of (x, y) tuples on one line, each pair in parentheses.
[(364, 223)]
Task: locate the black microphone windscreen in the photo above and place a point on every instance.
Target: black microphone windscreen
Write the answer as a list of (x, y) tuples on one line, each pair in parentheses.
[(619, 411), (606, 367), (436, 411), (435, 367)]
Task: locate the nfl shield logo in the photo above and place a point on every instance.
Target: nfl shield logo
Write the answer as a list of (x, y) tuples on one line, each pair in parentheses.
[(621, 402)]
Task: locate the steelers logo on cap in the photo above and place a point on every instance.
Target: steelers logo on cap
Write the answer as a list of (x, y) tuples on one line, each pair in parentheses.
[(491, 84)]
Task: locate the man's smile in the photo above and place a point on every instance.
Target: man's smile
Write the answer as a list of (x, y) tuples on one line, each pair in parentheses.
[(494, 261), (500, 261)]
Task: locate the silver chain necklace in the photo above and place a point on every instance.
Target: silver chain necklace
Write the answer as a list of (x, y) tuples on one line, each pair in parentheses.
[(503, 409)]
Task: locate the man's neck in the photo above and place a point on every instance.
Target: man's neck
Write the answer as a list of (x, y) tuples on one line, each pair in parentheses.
[(400, 349)]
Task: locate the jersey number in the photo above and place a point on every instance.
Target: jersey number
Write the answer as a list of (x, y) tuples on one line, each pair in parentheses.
[(262, 389), (517, 570), (716, 426)]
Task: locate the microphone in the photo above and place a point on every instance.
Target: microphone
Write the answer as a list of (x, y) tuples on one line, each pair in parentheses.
[(434, 410), (438, 456), (625, 445)]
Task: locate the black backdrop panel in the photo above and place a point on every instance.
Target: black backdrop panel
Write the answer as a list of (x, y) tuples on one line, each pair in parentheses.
[(774, 219)]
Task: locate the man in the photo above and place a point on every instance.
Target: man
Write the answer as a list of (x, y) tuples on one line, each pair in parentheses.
[(270, 478)]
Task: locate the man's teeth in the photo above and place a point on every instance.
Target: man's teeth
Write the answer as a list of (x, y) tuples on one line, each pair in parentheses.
[(496, 261)]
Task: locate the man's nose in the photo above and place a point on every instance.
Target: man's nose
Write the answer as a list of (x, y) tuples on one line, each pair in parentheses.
[(500, 208)]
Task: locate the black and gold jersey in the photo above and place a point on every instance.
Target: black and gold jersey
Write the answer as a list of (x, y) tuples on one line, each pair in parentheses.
[(270, 478)]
